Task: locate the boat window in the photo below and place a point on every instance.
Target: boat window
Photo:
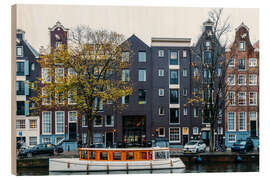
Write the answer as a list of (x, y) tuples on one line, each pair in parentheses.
[(92, 155), (84, 155), (130, 156), (103, 156), (160, 155), (116, 155), (149, 155), (143, 155)]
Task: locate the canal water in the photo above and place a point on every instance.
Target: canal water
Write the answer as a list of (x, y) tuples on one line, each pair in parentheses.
[(190, 168)]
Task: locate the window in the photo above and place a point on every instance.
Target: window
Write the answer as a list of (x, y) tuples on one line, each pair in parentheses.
[(46, 100), (231, 97), (174, 96), (174, 77), (71, 97), (20, 108), (184, 72), (220, 130), (242, 46), (109, 120), (84, 123), (242, 64), (185, 111), (46, 122), (195, 91), (252, 79), (242, 121), (219, 72), (98, 121), (252, 62), (32, 124), (46, 140), (207, 57), (184, 53), (231, 137), (98, 103), (160, 53), (184, 92), (59, 122), (253, 98), (125, 56), (161, 111), (45, 75), (20, 88), (59, 98), (20, 124), (161, 72), (173, 58), (142, 56), (231, 121), (207, 43), (20, 68), (231, 63), (72, 116), (195, 72), (161, 92), (174, 116), (19, 51), (174, 134), (32, 66), (241, 79), (142, 96), (142, 75), (253, 123), (195, 112), (125, 99), (161, 132), (84, 137), (59, 74), (195, 131), (125, 75), (242, 98), (32, 140), (231, 79), (71, 72)]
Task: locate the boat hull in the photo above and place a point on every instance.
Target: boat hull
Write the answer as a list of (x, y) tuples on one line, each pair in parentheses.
[(76, 165)]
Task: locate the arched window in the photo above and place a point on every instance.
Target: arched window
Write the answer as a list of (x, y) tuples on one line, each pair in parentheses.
[(33, 66)]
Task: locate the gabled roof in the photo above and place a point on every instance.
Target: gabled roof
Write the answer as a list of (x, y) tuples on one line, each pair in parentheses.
[(35, 53), (58, 24), (242, 25), (138, 40)]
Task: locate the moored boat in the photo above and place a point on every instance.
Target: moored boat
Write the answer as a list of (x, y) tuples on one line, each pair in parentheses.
[(109, 159)]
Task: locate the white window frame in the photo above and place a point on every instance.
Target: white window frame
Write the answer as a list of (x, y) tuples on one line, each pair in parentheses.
[(234, 123), (19, 47), (159, 111), (185, 92), (56, 122), (179, 134), (44, 100), (45, 75), (255, 104), (244, 121), (125, 56), (57, 99), (250, 77), (95, 125), (126, 77), (240, 48), (62, 137), (143, 73), (50, 123), (58, 75), (69, 117), (84, 123), (231, 62), (31, 142), (184, 53), (161, 92), (30, 124), (245, 95), (144, 52), (231, 141), (252, 62), (161, 135), (196, 133), (43, 139), (19, 125), (228, 79), (70, 101), (161, 53), (71, 72), (244, 78), (112, 119), (184, 72), (185, 111), (161, 72), (233, 99)]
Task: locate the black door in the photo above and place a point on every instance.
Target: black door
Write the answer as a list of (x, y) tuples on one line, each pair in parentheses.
[(72, 131), (253, 127), (109, 139), (185, 139)]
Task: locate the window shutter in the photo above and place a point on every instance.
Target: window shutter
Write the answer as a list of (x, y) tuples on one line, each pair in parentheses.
[(26, 108), (26, 68), (26, 87)]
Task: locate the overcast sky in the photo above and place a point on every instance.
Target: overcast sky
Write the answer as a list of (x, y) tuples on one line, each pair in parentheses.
[(145, 22)]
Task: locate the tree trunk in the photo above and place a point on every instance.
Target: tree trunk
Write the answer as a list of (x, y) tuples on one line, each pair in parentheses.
[(89, 137), (211, 139)]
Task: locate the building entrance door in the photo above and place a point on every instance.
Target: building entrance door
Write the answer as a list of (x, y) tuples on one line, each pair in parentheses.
[(253, 128), (109, 139), (205, 137), (72, 131), (134, 130)]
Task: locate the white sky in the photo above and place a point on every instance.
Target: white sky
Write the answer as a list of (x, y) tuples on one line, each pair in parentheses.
[(145, 22)]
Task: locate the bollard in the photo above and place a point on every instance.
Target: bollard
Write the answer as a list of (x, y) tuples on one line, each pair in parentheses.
[(127, 167), (87, 167), (151, 165), (108, 169), (68, 165), (171, 163)]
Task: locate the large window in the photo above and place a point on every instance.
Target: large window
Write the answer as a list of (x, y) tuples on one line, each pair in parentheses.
[(142, 56), (241, 79), (252, 62), (125, 56), (46, 99), (174, 134), (20, 124), (231, 121), (72, 116), (20, 68), (174, 58), (231, 97), (231, 79), (142, 75), (174, 116), (174, 77), (109, 120), (142, 96), (45, 75), (252, 79), (20, 88), (125, 75), (242, 64), (242, 46), (253, 98), (59, 122), (174, 96), (32, 124), (242, 98), (242, 121), (59, 74), (46, 122)]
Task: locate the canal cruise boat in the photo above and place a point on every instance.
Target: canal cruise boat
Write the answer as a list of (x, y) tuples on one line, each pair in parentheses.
[(109, 159)]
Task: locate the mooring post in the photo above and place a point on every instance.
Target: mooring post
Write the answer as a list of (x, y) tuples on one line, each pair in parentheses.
[(68, 165), (87, 167), (171, 163), (108, 169)]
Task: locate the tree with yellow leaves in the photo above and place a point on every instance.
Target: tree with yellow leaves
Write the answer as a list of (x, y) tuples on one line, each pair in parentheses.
[(85, 75)]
